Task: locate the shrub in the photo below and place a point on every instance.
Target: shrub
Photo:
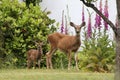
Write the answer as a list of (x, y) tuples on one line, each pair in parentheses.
[(21, 26), (98, 53)]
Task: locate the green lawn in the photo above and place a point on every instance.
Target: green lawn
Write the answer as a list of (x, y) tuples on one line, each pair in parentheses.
[(44, 74)]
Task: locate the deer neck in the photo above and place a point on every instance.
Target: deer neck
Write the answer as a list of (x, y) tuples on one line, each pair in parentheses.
[(78, 37), (39, 50)]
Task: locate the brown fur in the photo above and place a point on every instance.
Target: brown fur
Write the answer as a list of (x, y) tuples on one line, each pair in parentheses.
[(65, 43), (34, 56)]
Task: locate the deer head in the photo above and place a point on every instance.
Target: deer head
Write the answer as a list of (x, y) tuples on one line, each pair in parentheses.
[(39, 44), (77, 27)]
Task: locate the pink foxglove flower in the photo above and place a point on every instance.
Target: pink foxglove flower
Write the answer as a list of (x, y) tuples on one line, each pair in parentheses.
[(62, 24), (83, 15), (98, 18), (106, 14), (89, 30)]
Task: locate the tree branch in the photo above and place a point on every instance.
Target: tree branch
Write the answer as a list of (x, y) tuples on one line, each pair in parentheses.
[(100, 14)]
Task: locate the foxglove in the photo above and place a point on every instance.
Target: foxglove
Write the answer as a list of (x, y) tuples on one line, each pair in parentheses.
[(62, 24), (66, 30), (83, 16), (106, 14), (89, 30), (98, 18)]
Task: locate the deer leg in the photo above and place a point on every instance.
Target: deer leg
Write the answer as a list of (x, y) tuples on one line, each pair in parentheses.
[(28, 63), (69, 60), (39, 61), (76, 61), (34, 64), (49, 57), (50, 62), (47, 60)]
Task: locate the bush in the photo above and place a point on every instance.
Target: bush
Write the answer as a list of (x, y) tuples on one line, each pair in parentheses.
[(98, 53), (21, 26)]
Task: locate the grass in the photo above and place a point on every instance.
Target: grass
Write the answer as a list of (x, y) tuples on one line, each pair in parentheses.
[(44, 74)]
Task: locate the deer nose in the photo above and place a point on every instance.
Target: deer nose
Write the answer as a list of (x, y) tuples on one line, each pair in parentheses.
[(77, 31)]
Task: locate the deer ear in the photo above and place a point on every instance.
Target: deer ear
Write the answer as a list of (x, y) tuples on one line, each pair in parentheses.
[(72, 24), (83, 24)]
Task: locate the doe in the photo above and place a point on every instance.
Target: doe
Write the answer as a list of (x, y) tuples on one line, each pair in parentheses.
[(65, 43), (34, 55)]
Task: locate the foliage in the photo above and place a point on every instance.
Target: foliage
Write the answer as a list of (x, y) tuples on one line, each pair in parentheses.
[(21, 27), (60, 60), (98, 53), (34, 2)]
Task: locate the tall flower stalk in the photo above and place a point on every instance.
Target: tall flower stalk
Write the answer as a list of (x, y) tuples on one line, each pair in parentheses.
[(68, 17), (98, 18), (106, 14), (62, 24), (83, 15), (89, 30), (66, 27), (96, 21)]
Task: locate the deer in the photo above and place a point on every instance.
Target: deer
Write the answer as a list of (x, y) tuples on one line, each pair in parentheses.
[(64, 43), (34, 55)]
